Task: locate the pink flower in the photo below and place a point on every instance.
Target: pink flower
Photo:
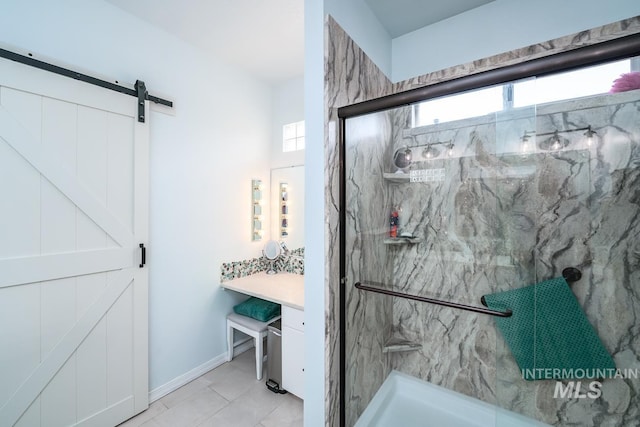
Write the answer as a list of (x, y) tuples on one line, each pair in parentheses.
[(625, 82)]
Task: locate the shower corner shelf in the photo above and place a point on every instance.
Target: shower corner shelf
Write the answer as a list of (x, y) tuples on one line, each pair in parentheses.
[(395, 345), (396, 177), (402, 241)]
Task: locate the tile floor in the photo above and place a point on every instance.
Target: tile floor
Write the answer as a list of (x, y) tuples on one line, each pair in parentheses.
[(228, 395)]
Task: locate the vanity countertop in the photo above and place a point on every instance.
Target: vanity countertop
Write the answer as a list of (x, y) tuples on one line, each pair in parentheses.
[(283, 288)]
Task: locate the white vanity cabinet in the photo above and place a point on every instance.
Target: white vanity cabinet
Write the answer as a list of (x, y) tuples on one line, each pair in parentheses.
[(286, 289), (293, 350)]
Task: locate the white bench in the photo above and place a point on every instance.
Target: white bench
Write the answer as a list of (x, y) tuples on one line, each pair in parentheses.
[(252, 327)]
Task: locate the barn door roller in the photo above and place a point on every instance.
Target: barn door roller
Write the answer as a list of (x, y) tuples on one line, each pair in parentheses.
[(141, 89)]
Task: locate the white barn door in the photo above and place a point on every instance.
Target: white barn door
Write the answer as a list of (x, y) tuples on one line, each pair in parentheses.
[(73, 211)]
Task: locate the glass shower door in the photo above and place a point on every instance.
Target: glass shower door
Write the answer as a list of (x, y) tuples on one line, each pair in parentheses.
[(423, 226), (368, 316), (580, 209)]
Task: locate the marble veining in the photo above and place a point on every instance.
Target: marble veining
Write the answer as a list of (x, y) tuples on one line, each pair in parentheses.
[(479, 229), (502, 218)]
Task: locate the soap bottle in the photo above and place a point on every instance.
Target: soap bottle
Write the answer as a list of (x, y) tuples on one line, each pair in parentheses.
[(394, 221)]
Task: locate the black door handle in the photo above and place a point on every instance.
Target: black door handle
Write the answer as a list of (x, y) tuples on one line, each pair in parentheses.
[(143, 260)]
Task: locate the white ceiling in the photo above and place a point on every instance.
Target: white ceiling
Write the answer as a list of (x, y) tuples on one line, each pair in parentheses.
[(263, 37), (266, 38)]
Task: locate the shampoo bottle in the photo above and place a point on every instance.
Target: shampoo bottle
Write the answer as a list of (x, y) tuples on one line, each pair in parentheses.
[(394, 221)]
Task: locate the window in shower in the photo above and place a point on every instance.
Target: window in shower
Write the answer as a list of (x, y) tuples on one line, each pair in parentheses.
[(462, 106), (568, 85)]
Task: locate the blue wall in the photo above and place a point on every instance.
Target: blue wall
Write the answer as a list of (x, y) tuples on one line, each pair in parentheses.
[(364, 29), (314, 301), (497, 27)]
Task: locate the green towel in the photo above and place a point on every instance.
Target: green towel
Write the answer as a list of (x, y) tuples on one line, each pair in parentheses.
[(258, 309), (549, 334)]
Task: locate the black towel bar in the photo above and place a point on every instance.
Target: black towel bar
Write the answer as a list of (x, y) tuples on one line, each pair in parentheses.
[(474, 309)]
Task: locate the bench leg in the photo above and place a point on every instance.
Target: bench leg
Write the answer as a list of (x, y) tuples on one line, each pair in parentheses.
[(259, 352), (229, 343)]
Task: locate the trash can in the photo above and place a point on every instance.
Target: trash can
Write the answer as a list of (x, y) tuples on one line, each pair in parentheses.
[(274, 357)]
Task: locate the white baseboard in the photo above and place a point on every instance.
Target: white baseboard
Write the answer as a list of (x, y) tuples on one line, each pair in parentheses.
[(187, 377)]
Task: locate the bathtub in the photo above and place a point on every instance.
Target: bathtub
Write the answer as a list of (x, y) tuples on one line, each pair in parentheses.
[(406, 401)]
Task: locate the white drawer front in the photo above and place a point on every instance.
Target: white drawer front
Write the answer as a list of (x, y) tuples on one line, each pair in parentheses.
[(293, 318)]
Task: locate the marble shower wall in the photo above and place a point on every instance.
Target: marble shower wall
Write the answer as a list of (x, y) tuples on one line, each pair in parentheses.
[(351, 77), (586, 209), (369, 316), (498, 219), (457, 216)]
